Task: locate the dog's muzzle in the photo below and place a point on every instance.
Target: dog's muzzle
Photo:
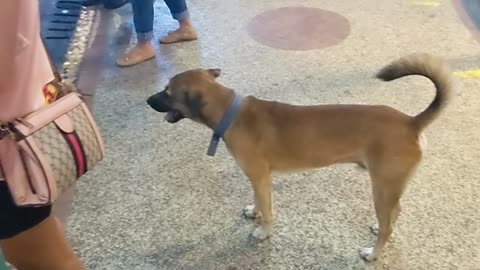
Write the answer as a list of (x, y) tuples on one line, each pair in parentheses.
[(160, 102)]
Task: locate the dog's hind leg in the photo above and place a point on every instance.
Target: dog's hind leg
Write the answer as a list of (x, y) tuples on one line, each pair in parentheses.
[(388, 184), (387, 210), (396, 212)]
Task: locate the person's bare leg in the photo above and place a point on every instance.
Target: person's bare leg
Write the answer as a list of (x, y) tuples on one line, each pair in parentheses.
[(43, 247), (185, 31), (141, 52), (143, 14), (63, 206)]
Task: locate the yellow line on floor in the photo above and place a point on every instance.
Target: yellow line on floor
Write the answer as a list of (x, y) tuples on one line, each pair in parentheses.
[(475, 73), (427, 3)]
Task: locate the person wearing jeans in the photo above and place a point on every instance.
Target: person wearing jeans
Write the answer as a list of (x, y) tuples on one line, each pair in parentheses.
[(108, 4), (143, 15)]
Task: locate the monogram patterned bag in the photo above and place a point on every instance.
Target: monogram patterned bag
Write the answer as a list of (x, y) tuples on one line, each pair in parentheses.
[(49, 150)]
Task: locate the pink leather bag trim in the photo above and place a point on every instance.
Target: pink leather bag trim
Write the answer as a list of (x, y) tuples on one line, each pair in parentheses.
[(24, 161), (16, 171), (38, 119), (64, 123)]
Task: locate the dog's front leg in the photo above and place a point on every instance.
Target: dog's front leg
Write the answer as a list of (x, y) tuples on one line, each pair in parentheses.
[(263, 200), (261, 180)]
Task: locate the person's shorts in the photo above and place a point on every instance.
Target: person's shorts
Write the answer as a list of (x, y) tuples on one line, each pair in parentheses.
[(14, 219)]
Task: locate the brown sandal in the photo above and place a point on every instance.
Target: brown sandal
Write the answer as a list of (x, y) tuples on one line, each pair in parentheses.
[(179, 36), (134, 57)]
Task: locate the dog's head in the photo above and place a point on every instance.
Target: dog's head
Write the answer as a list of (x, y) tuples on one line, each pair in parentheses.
[(187, 95)]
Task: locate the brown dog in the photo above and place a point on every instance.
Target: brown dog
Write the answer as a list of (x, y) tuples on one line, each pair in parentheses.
[(267, 137)]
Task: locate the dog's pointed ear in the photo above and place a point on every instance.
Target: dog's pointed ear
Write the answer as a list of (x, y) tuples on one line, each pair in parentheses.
[(215, 72)]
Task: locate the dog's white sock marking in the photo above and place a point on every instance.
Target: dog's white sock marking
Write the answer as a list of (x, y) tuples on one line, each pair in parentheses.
[(260, 233), (367, 254), (249, 211), (374, 228), (422, 141)]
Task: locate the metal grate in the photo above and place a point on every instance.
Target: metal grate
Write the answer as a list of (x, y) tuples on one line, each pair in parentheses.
[(67, 29), (64, 18)]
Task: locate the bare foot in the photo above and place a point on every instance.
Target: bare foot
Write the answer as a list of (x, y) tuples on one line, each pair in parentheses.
[(179, 35), (138, 54)]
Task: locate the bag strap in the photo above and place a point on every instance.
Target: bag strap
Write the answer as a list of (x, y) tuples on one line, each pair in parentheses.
[(54, 69)]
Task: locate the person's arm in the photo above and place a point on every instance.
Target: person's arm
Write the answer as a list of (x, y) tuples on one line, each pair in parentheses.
[(8, 39)]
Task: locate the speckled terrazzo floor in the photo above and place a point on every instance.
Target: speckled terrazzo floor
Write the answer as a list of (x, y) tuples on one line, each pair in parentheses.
[(159, 202)]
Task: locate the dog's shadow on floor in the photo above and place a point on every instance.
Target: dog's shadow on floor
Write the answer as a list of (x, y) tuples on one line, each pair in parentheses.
[(242, 255)]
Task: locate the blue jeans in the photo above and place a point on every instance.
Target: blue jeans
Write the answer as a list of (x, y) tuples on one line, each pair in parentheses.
[(143, 15)]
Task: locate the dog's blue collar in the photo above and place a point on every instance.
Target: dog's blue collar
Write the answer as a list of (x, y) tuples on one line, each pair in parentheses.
[(224, 124)]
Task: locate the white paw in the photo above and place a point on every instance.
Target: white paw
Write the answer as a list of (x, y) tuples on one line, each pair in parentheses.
[(367, 254), (249, 211), (374, 228), (260, 234)]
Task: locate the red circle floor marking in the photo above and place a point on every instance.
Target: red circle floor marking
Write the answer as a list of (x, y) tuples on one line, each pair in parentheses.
[(299, 28)]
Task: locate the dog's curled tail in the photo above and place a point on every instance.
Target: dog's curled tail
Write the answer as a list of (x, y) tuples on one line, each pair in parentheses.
[(428, 66)]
